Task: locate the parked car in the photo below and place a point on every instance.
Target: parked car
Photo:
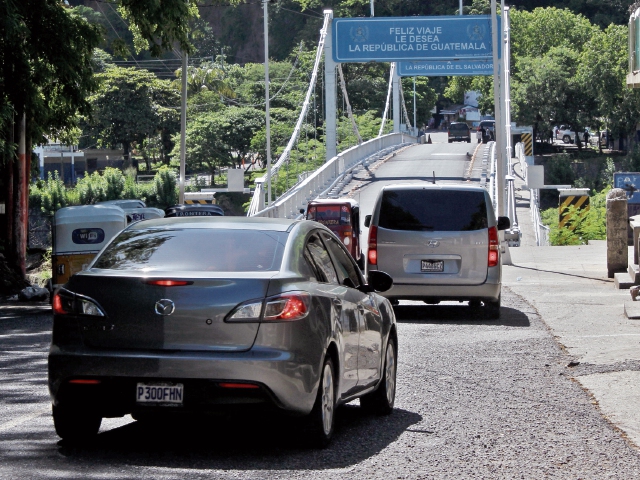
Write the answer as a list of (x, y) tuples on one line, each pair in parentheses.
[(438, 242), (176, 316), (486, 131), (458, 132), (566, 134)]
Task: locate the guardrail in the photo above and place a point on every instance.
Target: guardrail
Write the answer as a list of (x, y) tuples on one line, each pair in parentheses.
[(325, 178), (541, 230)]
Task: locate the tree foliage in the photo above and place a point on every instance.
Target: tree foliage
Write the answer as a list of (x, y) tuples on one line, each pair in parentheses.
[(131, 105)]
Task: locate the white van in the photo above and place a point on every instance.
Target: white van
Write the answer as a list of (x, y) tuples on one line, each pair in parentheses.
[(438, 242)]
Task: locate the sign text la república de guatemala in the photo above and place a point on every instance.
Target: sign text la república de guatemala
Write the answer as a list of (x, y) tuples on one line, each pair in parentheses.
[(411, 38)]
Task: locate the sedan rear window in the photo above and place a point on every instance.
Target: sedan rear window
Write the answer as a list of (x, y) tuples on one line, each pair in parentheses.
[(433, 210), (198, 250)]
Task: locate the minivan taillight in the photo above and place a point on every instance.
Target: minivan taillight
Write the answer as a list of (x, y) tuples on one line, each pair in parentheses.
[(494, 247), (372, 255)]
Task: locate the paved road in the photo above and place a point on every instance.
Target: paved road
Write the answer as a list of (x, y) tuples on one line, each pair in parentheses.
[(476, 399)]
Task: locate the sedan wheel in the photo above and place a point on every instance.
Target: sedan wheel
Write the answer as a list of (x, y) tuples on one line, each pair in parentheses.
[(75, 425), (566, 139), (381, 401), (322, 417)]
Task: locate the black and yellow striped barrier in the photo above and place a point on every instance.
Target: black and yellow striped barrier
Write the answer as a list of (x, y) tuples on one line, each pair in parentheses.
[(201, 202), (569, 207), (527, 140)]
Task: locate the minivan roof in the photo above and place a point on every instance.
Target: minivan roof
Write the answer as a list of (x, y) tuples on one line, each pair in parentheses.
[(418, 186)]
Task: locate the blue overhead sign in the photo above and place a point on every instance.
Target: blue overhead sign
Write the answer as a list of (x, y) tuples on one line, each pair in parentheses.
[(445, 68), (412, 38)]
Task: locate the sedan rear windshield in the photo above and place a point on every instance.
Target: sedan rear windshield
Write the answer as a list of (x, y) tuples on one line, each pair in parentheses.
[(433, 210), (194, 249)]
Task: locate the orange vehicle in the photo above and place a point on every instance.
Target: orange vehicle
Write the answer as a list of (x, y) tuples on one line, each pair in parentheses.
[(342, 217)]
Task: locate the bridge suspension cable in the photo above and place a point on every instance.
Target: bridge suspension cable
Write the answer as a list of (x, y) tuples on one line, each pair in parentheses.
[(343, 86), (386, 105)]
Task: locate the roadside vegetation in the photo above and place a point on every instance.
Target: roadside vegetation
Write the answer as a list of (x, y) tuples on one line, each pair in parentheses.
[(108, 78)]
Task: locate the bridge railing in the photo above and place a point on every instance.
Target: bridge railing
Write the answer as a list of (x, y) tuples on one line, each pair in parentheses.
[(323, 179), (541, 230)]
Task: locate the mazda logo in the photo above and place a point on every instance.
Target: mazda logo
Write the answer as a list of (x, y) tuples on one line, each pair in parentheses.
[(165, 307), (433, 243)]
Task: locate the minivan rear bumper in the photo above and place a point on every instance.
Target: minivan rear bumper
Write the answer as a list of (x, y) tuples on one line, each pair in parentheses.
[(485, 291)]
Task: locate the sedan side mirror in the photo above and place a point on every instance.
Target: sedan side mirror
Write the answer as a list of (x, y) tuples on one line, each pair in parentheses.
[(367, 221), (379, 281), (503, 223)]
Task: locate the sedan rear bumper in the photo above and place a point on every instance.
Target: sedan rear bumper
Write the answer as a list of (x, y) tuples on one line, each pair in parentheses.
[(284, 381)]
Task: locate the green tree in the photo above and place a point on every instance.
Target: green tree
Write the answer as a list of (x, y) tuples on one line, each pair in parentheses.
[(131, 105)]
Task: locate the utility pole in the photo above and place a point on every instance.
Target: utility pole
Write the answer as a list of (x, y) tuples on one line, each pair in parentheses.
[(499, 130), (183, 126), (266, 94)]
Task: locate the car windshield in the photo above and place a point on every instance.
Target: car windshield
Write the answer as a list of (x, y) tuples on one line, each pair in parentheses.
[(194, 249), (458, 126), (330, 214), (433, 210)]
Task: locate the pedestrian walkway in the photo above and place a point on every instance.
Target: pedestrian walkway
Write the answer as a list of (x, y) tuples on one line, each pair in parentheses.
[(569, 288)]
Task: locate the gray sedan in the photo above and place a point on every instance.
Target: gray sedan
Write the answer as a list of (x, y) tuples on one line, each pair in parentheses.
[(197, 314)]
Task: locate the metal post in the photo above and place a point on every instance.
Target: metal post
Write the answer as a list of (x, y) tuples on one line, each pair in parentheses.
[(461, 8), (371, 2), (396, 99), (415, 125), (183, 126), (330, 95), (266, 95), (497, 107)]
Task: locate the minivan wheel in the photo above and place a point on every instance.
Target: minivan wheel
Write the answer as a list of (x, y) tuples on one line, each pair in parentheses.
[(381, 400), (75, 424), (321, 420), (492, 309)]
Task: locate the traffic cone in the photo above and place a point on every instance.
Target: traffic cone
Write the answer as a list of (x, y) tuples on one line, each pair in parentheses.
[(429, 139)]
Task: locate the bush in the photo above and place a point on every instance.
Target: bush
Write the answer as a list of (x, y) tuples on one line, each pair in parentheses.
[(115, 182), (589, 224), (91, 189), (53, 194), (165, 188)]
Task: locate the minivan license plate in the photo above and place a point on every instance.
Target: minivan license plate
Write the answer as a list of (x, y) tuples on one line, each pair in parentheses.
[(150, 393), (432, 266)]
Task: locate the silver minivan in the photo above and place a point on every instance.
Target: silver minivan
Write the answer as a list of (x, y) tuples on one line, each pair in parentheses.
[(438, 242)]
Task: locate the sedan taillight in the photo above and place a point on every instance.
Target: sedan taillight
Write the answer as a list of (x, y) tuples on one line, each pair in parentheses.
[(287, 307), (494, 247), (66, 303)]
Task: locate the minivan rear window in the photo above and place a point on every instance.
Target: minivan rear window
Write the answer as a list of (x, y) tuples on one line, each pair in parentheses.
[(433, 210)]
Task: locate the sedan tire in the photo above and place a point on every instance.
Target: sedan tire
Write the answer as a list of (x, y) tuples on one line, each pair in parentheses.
[(566, 139), (381, 401), (75, 425), (321, 421)]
